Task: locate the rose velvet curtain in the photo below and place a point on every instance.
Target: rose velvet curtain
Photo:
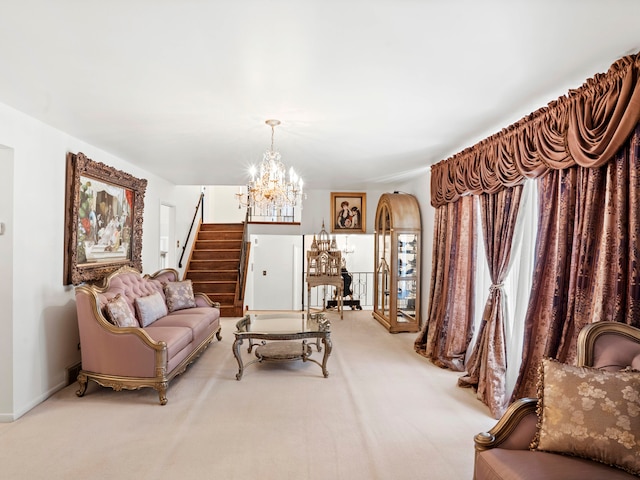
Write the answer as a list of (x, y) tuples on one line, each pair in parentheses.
[(449, 326), (583, 215), (587, 258), (487, 364)]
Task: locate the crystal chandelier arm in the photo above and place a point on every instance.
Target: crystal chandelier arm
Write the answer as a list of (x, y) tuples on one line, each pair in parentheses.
[(269, 189)]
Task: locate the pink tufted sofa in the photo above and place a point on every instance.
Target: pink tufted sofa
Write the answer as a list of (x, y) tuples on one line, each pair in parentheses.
[(503, 452), (133, 357)]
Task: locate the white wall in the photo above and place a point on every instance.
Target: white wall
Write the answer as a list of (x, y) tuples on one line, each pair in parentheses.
[(221, 205), (6, 278), (185, 198), (41, 318), (317, 208)]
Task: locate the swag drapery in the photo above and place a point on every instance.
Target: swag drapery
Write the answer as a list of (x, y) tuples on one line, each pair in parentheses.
[(586, 127), (583, 129)]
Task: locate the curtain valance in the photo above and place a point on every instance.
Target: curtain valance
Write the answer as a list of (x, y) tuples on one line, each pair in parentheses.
[(585, 127)]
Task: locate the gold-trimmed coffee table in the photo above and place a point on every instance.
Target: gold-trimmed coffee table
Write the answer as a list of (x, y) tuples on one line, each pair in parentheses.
[(283, 336)]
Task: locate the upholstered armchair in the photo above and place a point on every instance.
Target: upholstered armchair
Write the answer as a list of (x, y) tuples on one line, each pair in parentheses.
[(504, 451)]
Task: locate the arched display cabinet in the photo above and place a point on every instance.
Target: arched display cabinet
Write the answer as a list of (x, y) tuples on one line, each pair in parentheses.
[(397, 264)]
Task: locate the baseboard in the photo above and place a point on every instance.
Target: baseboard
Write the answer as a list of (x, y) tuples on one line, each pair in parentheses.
[(72, 373), (8, 418)]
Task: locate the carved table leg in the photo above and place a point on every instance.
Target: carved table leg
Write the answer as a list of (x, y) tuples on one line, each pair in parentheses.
[(327, 351), (236, 353)]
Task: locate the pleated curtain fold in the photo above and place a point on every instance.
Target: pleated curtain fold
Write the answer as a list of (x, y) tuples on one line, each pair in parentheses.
[(587, 258), (487, 364), (448, 329)]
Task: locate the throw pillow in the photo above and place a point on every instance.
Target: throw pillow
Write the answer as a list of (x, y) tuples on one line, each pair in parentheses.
[(119, 313), (589, 413), (179, 295), (150, 308)]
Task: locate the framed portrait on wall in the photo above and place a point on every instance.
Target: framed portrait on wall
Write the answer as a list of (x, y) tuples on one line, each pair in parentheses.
[(348, 212), (103, 220)]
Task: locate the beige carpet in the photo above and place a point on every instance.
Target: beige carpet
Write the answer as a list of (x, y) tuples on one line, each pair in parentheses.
[(384, 412)]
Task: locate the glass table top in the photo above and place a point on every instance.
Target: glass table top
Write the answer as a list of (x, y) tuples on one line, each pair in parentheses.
[(286, 322)]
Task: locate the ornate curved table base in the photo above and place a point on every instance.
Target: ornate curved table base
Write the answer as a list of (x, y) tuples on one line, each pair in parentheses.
[(283, 346)]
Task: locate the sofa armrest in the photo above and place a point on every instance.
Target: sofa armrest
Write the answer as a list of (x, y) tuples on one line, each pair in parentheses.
[(111, 350), (203, 300), (514, 431)]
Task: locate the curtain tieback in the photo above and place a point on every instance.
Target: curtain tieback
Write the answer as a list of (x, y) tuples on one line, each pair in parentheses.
[(489, 305)]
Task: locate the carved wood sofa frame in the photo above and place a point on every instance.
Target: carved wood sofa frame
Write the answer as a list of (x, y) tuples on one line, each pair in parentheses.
[(129, 357)]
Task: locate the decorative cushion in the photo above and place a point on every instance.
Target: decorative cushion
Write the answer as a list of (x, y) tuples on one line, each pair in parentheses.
[(119, 313), (179, 295), (589, 413), (150, 308)]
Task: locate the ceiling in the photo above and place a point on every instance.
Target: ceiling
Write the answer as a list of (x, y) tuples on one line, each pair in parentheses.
[(369, 92)]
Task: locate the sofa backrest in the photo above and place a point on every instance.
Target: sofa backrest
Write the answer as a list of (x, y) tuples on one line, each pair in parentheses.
[(609, 345), (130, 284)]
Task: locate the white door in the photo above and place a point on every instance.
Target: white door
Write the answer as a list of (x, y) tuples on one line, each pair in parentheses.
[(168, 244), (275, 272)]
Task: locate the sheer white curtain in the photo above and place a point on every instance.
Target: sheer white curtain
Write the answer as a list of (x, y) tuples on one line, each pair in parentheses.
[(517, 285)]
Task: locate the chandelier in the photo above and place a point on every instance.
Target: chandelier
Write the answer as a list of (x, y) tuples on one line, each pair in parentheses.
[(269, 193)]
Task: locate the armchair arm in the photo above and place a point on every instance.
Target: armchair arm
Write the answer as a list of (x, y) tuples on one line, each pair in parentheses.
[(514, 431), (608, 345)]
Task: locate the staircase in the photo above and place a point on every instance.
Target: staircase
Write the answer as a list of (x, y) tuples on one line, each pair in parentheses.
[(215, 263)]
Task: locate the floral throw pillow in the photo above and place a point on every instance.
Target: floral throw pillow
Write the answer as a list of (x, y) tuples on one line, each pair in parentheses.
[(589, 413), (119, 313), (150, 308), (179, 295)]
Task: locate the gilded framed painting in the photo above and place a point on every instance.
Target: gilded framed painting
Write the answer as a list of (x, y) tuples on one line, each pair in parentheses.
[(348, 212), (103, 220)]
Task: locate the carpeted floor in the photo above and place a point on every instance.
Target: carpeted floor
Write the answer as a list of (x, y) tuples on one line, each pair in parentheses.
[(384, 412)]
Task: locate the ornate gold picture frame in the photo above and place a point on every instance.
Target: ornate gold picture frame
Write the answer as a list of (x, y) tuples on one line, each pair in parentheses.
[(348, 212), (103, 220)]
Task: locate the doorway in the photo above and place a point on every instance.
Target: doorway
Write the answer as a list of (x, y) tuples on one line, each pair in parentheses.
[(168, 244), (275, 273)]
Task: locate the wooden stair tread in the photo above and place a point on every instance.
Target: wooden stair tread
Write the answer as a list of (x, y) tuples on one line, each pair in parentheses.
[(215, 264), (234, 250)]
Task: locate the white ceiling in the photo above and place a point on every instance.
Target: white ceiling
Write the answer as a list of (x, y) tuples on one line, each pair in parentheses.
[(368, 92)]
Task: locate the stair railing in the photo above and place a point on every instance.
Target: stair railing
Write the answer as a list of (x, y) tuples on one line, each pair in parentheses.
[(199, 206), (243, 255)]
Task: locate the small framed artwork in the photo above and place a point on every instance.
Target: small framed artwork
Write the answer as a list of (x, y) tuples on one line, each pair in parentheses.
[(103, 220), (349, 212)]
